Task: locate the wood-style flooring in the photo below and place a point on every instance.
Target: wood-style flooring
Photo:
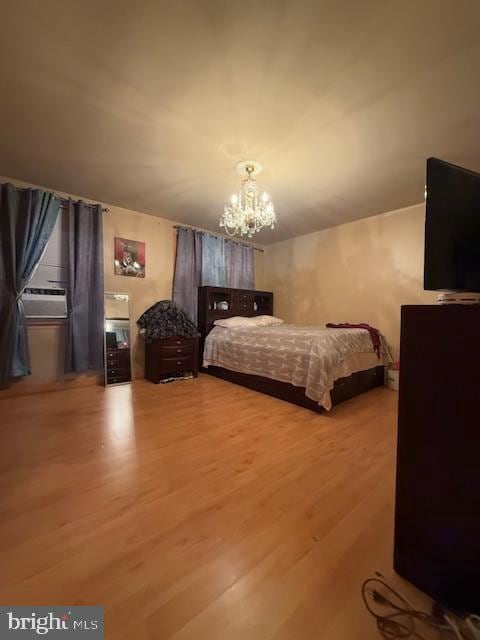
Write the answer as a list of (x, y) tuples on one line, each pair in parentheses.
[(198, 510)]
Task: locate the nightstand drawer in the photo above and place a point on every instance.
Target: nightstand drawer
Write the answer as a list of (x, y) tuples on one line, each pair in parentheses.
[(174, 350), (180, 363), (174, 341)]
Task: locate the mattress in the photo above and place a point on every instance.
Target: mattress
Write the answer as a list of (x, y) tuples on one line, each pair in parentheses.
[(311, 357)]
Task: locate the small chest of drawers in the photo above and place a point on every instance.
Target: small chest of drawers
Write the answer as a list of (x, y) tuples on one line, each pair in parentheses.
[(168, 356), (117, 368)]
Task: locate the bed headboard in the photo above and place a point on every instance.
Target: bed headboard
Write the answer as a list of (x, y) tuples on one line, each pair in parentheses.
[(221, 302)]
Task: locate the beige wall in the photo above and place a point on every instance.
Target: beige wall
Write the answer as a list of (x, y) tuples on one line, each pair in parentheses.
[(159, 236), (46, 343), (357, 272)]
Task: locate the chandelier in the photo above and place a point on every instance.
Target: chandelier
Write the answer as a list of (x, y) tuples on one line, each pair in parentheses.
[(248, 212)]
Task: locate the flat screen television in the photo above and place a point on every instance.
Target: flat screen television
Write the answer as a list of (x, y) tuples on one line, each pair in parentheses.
[(452, 228)]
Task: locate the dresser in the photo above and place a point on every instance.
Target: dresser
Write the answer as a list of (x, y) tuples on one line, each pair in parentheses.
[(437, 514), (168, 356), (117, 369)]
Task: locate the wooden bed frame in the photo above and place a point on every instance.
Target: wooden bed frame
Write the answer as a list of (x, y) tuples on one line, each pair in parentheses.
[(247, 303)]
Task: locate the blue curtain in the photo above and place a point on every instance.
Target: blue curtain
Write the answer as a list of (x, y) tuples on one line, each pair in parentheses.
[(213, 261), (203, 259), (239, 265), (84, 344), (188, 272), (27, 218)]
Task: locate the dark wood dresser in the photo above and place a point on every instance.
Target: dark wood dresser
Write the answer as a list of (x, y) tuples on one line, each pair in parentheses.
[(168, 356), (437, 515), (118, 367)]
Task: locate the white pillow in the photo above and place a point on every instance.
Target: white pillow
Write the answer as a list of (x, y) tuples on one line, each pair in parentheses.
[(267, 321), (234, 322)]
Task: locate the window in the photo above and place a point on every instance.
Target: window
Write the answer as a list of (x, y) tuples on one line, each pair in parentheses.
[(44, 298), (51, 272)]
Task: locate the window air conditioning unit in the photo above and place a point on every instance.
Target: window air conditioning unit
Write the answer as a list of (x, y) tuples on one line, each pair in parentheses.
[(44, 302)]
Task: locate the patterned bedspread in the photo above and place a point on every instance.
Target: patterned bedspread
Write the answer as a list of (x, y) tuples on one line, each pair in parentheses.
[(302, 356)]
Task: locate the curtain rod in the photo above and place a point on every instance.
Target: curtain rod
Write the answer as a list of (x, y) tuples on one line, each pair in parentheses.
[(217, 235), (63, 201)]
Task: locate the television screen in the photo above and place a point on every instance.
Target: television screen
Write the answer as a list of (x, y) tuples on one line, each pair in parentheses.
[(452, 228)]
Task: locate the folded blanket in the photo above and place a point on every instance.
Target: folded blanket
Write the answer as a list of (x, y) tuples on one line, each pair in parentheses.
[(374, 333)]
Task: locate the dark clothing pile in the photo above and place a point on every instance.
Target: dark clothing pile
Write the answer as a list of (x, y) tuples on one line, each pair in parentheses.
[(164, 320), (374, 333)]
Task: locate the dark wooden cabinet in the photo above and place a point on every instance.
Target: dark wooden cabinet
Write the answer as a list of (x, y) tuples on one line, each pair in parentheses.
[(169, 356), (437, 514), (118, 368)]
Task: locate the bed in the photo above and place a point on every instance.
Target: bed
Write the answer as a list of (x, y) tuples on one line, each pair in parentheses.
[(315, 367)]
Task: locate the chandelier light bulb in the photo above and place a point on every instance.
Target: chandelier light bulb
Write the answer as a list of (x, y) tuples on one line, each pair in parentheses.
[(265, 196), (234, 199)]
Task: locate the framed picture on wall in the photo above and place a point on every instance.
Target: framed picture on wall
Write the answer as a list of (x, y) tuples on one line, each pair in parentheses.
[(129, 258)]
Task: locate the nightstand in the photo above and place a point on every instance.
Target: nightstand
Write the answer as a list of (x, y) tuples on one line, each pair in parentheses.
[(168, 356)]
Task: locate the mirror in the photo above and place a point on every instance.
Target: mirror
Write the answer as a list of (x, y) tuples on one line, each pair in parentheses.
[(118, 367)]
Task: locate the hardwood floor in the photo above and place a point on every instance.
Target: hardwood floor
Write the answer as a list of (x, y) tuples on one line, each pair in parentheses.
[(198, 510)]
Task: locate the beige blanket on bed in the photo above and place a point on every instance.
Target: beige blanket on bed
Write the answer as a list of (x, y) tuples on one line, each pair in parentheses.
[(306, 357)]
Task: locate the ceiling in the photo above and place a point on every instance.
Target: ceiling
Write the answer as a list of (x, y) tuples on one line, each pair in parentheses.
[(149, 104)]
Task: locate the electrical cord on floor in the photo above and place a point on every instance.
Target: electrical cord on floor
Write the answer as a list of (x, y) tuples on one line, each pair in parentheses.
[(396, 617)]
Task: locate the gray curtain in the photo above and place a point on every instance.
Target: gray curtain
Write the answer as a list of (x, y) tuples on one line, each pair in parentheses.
[(239, 265), (188, 272), (84, 343), (213, 261), (203, 259), (27, 217)]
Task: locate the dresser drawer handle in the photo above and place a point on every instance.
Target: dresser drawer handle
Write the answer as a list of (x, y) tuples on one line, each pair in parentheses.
[(179, 351), (179, 362), (178, 342)]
